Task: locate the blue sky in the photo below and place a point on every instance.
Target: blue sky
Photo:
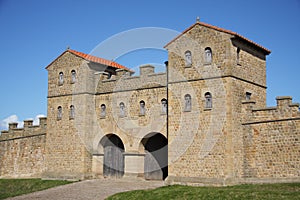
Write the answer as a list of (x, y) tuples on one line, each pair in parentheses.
[(34, 32)]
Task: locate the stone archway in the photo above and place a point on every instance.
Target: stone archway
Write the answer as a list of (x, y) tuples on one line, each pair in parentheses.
[(113, 161), (156, 156)]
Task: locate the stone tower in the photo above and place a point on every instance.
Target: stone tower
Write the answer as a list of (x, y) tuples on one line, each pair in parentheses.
[(202, 121), (72, 83), (211, 72)]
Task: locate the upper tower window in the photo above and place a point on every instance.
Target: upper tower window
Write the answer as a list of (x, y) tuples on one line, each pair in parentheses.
[(59, 113), (187, 103), (248, 96), (73, 76), (208, 100), (208, 55), (188, 58), (61, 78)]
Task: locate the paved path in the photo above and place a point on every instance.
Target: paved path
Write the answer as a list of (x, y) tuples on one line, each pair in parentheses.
[(91, 189)]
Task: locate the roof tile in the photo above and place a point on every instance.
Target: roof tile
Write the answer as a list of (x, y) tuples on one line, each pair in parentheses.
[(98, 60)]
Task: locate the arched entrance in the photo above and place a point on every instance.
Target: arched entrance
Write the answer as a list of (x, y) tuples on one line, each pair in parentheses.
[(156, 156), (113, 162)]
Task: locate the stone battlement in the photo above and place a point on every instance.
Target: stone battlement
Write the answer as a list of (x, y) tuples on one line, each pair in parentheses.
[(123, 81), (24, 146), (28, 130), (284, 110), (271, 140), (104, 122)]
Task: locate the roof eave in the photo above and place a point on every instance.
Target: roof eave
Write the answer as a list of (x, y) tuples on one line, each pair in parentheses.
[(126, 69), (90, 60), (263, 49)]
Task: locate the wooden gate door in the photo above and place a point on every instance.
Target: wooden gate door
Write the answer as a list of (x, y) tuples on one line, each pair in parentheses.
[(113, 165)]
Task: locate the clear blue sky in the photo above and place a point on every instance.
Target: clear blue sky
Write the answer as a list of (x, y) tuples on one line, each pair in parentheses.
[(34, 32)]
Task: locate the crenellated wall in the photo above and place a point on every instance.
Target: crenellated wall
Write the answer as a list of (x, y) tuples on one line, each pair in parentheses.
[(122, 81), (209, 122), (272, 141), (22, 150)]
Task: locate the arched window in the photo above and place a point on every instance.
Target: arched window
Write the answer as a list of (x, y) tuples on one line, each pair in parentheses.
[(208, 100), (188, 58), (208, 55), (61, 78), (188, 103), (142, 107), (164, 106), (73, 76), (72, 112), (103, 111), (122, 109), (59, 113)]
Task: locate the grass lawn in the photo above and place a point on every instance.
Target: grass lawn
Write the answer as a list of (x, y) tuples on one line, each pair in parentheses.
[(249, 192), (15, 187)]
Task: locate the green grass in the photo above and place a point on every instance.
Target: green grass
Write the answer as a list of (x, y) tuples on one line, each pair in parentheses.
[(249, 192), (16, 187)]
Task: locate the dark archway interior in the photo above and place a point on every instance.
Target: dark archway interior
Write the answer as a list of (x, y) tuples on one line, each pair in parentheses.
[(112, 140), (156, 158)]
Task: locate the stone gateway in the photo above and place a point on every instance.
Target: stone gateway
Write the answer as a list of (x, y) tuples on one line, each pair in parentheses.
[(203, 121)]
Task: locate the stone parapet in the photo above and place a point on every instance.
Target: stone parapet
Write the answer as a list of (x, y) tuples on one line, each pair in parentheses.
[(22, 150), (125, 82), (284, 110), (28, 130), (271, 142)]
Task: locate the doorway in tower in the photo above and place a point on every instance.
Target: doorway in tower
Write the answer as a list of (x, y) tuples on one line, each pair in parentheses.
[(113, 161), (156, 156)]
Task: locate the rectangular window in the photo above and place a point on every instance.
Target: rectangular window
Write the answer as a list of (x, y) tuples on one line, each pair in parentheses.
[(248, 96)]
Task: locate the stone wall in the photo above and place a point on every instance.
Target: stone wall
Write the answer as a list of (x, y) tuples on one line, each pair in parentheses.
[(217, 127), (272, 141), (197, 138), (22, 150), (130, 125)]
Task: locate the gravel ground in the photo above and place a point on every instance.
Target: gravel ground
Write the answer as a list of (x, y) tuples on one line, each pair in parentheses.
[(91, 189)]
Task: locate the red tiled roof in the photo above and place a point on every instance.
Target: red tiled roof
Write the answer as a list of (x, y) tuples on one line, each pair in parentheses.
[(98, 60), (267, 51)]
